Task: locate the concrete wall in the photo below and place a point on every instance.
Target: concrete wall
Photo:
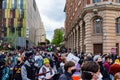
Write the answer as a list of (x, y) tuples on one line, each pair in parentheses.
[(34, 23)]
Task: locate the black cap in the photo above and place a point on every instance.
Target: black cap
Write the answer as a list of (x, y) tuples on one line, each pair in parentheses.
[(28, 54)]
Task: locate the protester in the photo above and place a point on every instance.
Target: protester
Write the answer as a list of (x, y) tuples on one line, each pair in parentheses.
[(28, 68), (103, 71), (11, 65), (47, 70), (38, 61), (113, 56), (107, 63), (114, 68), (17, 69), (69, 70), (61, 69), (4, 70), (90, 71), (57, 59)]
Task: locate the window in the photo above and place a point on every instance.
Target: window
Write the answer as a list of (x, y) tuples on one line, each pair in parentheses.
[(19, 31), (4, 22), (20, 4), (118, 1), (12, 13), (3, 13), (21, 13), (34, 5), (97, 23), (4, 4), (14, 4), (12, 29), (118, 25), (1, 4), (95, 1)]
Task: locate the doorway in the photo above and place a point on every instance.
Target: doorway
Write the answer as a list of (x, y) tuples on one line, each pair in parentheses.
[(98, 48)]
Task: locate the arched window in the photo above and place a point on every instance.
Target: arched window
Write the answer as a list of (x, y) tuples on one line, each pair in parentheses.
[(118, 25), (97, 23), (95, 1)]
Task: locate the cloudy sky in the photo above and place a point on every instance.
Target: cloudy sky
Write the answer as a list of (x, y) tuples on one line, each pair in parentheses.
[(52, 14)]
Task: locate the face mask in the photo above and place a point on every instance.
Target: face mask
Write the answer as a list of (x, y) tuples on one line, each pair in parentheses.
[(99, 77), (100, 63), (31, 60), (18, 62), (73, 71)]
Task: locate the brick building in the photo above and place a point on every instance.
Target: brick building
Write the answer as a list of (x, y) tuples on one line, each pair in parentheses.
[(93, 26)]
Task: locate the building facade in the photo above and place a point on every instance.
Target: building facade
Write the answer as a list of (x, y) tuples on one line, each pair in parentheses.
[(20, 19), (93, 26), (34, 24)]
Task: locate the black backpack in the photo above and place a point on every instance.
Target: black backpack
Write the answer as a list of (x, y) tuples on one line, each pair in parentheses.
[(30, 72), (56, 76)]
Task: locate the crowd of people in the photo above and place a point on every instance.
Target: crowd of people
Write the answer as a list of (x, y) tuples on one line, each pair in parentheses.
[(37, 64)]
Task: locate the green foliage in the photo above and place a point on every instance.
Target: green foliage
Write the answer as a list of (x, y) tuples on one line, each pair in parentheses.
[(38, 44), (11, 39), (47, 41), (58, 37)]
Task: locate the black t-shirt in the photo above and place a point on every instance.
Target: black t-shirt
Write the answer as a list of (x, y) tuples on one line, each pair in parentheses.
[(17, 72)]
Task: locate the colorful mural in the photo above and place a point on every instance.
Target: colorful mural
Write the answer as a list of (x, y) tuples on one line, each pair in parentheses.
[(14, 17)]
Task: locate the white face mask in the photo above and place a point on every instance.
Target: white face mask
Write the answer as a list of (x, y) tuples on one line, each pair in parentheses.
[(100, 76)]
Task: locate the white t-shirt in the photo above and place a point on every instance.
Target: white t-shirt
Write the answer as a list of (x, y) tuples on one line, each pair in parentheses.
[(47, 74)]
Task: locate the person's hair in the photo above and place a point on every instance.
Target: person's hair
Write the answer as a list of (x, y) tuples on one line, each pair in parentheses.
[(64, 60), (68, 65), (117, 76), (107, 57), (22, 58), (88, 69)]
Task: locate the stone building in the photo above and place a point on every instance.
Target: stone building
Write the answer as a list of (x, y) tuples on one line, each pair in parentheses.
[(93, 26)]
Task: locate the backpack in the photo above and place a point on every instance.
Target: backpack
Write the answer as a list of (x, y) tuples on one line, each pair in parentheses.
[(60, 70), (30, 72), (57, 76)]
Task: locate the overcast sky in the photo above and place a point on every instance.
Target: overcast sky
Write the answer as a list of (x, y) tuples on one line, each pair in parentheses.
[(52, 14)]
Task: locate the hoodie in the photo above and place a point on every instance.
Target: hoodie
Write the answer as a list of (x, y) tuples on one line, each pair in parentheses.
[(24, 71)]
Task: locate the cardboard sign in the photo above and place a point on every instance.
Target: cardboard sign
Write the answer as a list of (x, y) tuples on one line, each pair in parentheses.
[(73, 58), (113, 50)]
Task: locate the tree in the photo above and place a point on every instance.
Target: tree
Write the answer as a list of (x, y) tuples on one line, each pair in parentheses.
[(58, 36), (11, 39), (47, 41)]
